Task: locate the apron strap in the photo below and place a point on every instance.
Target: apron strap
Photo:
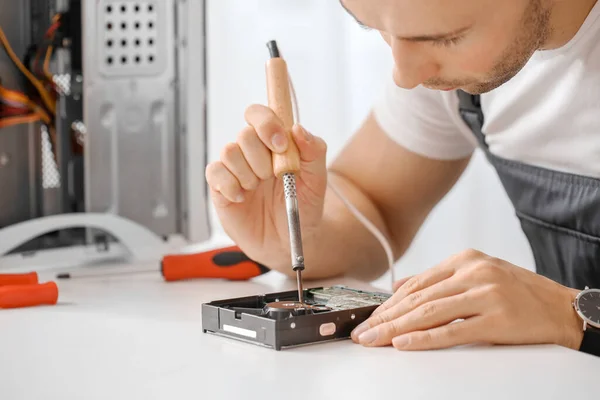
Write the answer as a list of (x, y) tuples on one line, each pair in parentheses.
[(470, 111)]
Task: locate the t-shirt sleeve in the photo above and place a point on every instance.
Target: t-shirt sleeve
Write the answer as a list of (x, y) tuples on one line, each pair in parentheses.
[(420, 119)]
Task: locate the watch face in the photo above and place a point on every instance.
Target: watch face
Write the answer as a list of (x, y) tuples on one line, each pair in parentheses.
[(589, 306)]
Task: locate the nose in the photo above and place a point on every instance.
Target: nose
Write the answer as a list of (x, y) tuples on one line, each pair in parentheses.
[(413, 65)]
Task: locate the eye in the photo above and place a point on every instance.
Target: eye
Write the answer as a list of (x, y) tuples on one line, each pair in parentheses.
[(447, 42)]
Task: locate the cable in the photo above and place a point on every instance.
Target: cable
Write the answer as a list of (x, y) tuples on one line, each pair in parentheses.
[(49, 35), (47, 99), (361, 218), (8, 110), (46, 67), (20, 100), (24, 119)]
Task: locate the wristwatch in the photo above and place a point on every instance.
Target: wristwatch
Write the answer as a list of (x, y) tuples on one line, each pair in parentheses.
[(587, 305)]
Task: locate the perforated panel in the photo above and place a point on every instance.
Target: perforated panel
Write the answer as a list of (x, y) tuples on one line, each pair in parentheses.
[(131, 37), (50, 175)]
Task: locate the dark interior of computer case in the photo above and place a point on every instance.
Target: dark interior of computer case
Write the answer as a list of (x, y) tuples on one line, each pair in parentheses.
[(41, 163)]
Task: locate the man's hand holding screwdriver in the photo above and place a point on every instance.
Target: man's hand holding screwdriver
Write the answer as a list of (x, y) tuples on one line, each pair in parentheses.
[(249, 198)]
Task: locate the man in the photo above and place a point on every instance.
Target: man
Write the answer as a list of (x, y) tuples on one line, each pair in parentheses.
[(518, 78)]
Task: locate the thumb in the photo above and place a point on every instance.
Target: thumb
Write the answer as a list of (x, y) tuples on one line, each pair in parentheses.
[(312, 148)]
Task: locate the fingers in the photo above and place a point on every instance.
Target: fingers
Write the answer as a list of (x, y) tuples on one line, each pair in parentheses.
[(257, 155), (218, 199), (427, 316), (233, 158), (248, 161), (416, 283), (268, 126), (451, 335), (446, 288), (399, 283), (312, 148), (221, 180)]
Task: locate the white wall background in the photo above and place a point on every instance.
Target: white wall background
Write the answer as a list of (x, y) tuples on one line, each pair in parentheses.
[(338, 70)]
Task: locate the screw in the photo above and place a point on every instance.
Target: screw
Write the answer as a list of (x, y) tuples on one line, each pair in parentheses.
[(4, 160), (78, 78), (353, 316), (293, 325), (300, 259)]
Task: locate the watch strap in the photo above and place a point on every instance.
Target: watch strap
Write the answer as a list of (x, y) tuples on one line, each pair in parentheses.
[(591, 341)]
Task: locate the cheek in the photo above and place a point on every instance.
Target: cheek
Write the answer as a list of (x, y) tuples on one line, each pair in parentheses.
[(480, 58)]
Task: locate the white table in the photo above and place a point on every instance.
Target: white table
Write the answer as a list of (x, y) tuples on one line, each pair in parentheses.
[(137, 337)]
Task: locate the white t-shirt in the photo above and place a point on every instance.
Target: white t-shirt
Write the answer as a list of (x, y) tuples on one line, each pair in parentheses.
[(548, 115)]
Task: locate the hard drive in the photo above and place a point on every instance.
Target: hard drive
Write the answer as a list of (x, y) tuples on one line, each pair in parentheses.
[(278, 321)]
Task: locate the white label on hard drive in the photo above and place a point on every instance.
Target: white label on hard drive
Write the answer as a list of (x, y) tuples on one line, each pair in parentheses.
[(240, 331)]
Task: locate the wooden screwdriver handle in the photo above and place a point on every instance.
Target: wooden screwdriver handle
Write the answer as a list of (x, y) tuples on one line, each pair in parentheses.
[(278, 91)]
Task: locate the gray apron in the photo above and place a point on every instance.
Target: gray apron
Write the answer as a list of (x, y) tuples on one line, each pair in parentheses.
[(559, 212)]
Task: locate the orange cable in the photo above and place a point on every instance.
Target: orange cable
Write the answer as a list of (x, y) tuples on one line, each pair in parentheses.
[(38, 85)]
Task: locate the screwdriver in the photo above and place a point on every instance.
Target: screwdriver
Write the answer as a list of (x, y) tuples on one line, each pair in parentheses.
[(286, 165), (28, 295), (30, 278), (24, 290), (222, 263)]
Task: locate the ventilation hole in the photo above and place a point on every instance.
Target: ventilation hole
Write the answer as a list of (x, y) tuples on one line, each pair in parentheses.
[(150, 58), (123, 25), (137, 42), (138, 59), (109, 43), (150, 41), (123, 8), (123, 42), (109, 60), (137, 8), (150, 24), (150, 7), (108, 9), (124, 60), (137, 25), (109, 26)]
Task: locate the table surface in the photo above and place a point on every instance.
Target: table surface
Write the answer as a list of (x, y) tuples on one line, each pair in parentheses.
[(137, 337)]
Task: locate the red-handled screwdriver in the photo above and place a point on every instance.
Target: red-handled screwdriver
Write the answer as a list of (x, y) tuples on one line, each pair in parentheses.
[(30, 278), (223, 263), (28, 295), (227, 263)]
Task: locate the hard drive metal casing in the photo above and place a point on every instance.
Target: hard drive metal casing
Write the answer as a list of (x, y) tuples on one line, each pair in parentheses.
[(218, 318)]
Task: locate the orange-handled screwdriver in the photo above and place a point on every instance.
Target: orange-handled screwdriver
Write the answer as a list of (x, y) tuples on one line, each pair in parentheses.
[(18, 279), (227, 263), (17, 296), (222, 263)]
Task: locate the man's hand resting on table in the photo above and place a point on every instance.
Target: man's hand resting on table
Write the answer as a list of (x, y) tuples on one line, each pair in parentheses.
[(495, 302)]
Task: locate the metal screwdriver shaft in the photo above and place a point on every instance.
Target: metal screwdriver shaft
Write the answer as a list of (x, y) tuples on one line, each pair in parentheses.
[(293, 215), (286, 165)]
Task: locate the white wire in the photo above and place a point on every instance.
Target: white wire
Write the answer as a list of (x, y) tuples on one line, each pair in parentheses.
[(364, 220)]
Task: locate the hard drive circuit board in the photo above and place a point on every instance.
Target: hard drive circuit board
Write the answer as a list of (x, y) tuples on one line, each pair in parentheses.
[(342, 298)]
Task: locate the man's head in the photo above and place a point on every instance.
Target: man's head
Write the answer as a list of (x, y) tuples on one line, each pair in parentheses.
[(474, 45)]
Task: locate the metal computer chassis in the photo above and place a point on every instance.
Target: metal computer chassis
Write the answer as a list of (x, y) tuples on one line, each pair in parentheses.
[(332, 314)]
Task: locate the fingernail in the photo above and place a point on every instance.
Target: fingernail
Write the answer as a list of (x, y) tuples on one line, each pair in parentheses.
[(239, 198), (368, 337), (279, 142), (358, 330), (307, 135), (401, 341)]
